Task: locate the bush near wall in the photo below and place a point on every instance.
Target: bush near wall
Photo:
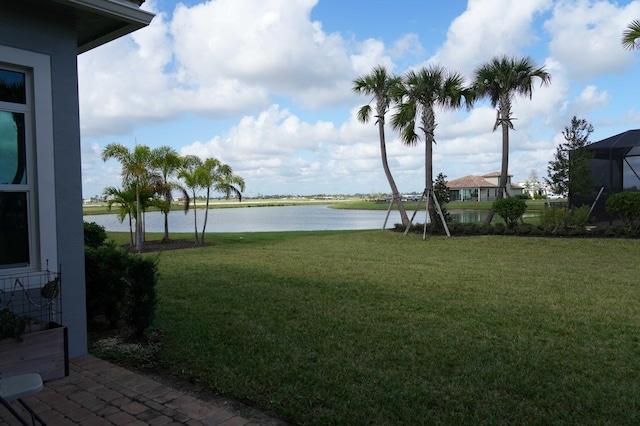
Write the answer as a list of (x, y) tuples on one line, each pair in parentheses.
[(120, 286)]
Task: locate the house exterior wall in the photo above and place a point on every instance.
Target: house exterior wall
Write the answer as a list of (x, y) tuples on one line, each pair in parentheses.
[(25, 27)]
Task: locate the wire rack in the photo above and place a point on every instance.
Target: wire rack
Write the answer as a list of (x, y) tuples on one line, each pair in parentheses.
[(36, 295)]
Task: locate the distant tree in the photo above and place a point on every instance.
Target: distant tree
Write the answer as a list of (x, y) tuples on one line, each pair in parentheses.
[(532, 184), (126, 201), (442, 193), (631, 35), (166, 161), (193, 175), (570, 172), (221, 179), (421, 93), (137, 172), (500, 80), (380, 84)]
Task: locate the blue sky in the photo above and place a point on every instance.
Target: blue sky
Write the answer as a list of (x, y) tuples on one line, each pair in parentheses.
[(265, 86)]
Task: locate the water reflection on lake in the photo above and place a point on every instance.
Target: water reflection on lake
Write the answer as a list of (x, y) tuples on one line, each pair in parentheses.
[(271, 219)]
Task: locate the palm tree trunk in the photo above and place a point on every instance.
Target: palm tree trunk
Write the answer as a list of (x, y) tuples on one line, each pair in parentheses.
[(385, 165), (195, 220), (431, 208), (130, 231), (428, 120), (504, 171), (138, 222), (206, 215), (166, 227)]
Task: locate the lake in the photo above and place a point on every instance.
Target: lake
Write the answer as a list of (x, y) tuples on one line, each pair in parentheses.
[(278, 218)]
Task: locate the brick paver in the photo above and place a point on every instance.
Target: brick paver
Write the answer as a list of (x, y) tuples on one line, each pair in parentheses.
[(98, 393)]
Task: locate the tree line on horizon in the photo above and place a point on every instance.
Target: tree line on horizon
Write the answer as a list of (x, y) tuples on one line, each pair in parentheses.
[(148, 180)]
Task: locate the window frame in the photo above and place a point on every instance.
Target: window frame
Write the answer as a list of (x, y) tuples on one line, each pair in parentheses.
[(40, 158)]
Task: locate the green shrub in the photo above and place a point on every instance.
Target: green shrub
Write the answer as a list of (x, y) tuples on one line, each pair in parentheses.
[(142, 277), (579, 216), (551, 218), (120, 288), (94, 234), (105, 267), (626, 207), (510, 209)]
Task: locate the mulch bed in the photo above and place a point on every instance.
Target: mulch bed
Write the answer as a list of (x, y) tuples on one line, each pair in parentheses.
[(162, 245)]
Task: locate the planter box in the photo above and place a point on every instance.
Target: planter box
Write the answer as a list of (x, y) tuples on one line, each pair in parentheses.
[(43, 351)]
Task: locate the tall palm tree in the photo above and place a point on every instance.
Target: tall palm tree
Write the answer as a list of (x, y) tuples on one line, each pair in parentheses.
[(419, 95), (379, 84), (126, 201), (136, 172), (220, 178), (191, 172), (208, 178), (500, 80), (166, 161), (631, 35)]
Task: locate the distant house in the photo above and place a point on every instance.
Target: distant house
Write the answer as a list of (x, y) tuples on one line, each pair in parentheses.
[(480, 188), (41, 229)]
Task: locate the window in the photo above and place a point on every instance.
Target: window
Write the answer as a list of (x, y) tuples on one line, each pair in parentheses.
[(14, 190), (27, 199)]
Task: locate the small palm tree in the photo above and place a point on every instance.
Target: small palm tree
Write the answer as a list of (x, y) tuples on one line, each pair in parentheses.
[(220, 178), (136, 172), (380, 84), (631, 35), (419, 95), (229, 183), (166, 162), (208, 178), (192, 173), (126, 201), (500, 80)]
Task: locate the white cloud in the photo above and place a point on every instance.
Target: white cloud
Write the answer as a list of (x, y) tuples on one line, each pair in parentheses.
[(488, 28), (586, 36), (276, 88)]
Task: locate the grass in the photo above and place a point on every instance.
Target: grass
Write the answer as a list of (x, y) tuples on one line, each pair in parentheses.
[(372, 327)]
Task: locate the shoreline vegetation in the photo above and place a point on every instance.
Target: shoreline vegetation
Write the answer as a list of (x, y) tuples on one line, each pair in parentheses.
[(348, 203)]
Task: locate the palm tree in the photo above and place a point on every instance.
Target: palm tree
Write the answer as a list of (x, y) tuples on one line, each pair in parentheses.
[(419, 95), (126, 200), (136, 172), (229, 183), (220, 178), (379, 83), (500, 80), (192, 173), (631, 35), (208, 177), (166, 161)]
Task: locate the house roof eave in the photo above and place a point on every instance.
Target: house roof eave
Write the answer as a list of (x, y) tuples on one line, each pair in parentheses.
[(101, 21)]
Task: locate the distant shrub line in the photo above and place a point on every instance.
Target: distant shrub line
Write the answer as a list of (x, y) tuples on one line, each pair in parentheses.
[(526, 229)]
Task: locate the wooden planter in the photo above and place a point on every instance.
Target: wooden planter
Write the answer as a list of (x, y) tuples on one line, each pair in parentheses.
[(44, 352)]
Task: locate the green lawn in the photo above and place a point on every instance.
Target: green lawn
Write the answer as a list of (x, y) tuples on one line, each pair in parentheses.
[(328, 328)]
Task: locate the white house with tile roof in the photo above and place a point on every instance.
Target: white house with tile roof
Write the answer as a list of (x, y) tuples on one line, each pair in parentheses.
[(480, 188)]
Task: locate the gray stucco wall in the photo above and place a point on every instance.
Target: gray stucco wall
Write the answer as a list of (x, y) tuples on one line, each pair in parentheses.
[(23, 26)]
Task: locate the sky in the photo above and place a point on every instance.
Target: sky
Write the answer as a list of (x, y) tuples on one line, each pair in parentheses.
[(265, 86)]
